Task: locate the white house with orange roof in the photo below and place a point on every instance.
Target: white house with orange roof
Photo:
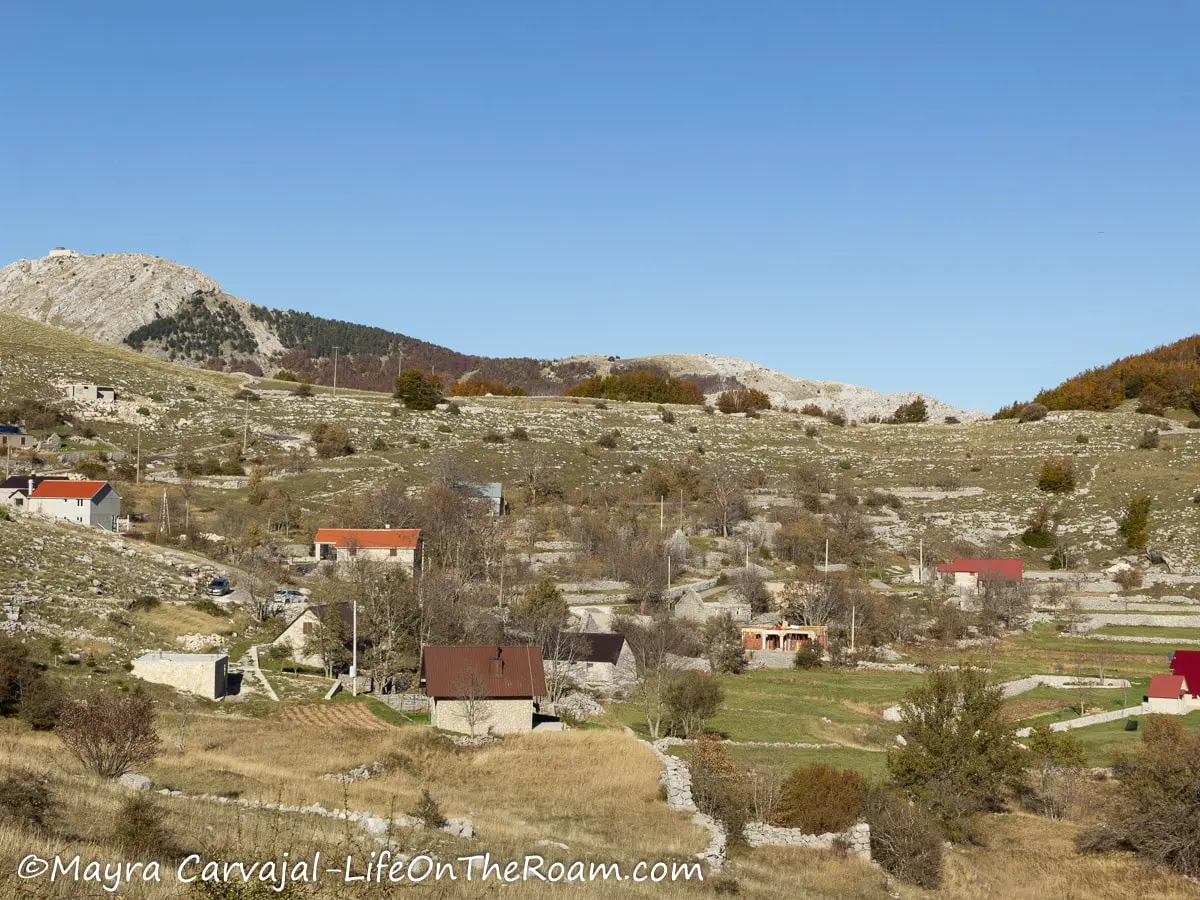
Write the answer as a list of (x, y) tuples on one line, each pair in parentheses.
[(92, 503), (401, 546)]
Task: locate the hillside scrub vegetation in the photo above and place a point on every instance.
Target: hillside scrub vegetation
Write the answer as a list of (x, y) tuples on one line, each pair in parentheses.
[(910, 413), (479, 387), (1167, 376), (643, 385), (1158, 800), (418, 390), (743, 400), (1057, 475), (1135, 523)]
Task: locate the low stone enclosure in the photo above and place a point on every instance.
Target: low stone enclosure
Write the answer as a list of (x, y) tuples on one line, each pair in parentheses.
[(368, 822), (677, 781)]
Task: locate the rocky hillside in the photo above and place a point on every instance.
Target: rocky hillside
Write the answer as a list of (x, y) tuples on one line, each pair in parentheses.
[(170, 311)]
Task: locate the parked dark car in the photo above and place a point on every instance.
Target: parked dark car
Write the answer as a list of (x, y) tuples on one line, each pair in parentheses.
[(218, 587)]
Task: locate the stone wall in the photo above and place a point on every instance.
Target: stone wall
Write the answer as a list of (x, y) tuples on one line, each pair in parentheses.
[(404, 702), (857, 840), (677, 782), (497, 716)]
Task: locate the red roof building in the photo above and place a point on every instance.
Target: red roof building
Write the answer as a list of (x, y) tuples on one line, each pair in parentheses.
[(67, 490), (1008, 569), (369, 538), (1166, 687), (396, 545), (1186, 663)]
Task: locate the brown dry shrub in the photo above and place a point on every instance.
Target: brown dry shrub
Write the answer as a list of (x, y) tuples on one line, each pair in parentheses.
[(818, 798)]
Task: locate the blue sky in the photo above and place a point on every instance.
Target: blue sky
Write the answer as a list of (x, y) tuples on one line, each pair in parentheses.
[(972, 200)]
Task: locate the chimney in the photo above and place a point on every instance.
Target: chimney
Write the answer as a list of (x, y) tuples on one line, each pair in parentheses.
[(497, 664), (31, 486)]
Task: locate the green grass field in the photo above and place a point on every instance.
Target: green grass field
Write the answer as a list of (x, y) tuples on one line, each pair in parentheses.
[(1102, 742)]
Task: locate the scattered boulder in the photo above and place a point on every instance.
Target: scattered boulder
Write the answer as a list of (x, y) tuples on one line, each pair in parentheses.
[(136, 781)]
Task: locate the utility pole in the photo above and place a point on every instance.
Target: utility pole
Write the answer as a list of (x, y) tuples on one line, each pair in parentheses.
[(164, 515), (921, 570), (681, 509), (335, 362), (668, 570), (137, 478), (661, 504), (8, 467), (853, 616), (245, 423), (354, 642)]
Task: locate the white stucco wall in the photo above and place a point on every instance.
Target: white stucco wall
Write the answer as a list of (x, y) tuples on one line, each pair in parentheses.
[(102, 515), (498, 717)]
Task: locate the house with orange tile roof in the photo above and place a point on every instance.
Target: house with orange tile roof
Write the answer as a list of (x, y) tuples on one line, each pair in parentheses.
[(80, 501), (400, 546)]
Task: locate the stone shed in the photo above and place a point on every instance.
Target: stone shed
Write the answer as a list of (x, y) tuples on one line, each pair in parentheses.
[(203, 674)]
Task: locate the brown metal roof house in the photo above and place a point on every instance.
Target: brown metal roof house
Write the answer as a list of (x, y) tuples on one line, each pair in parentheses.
[(480, 689)]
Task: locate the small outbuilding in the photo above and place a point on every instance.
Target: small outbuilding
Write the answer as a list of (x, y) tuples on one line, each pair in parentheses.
[(92, 393), (1167, 694), (203, 674)]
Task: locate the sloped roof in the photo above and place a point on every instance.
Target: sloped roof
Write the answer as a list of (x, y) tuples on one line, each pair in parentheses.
[(67, 490), (21, 482), (448, 670), (1010, 569), (588, 646), (369, 538), (11, 429), (1166, 687)]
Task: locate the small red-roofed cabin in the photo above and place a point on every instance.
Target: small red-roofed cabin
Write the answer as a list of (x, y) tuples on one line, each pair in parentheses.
[(1167, 694)]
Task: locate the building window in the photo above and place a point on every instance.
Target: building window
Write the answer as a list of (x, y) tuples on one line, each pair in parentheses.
[(393, 553), (309, 627)]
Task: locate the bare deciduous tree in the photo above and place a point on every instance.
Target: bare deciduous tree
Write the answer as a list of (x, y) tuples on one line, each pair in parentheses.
[(471, 693), (109, 732)]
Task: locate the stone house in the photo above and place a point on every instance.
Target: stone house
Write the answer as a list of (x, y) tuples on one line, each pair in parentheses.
[(401, 546), (92, 503), (601, 661), (92, 393), (689, 606), (483, 688), (300, 635), (202, 674), (13, 437)]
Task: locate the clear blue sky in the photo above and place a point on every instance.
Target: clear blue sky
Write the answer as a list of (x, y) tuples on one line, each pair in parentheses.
[(973, 200)]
